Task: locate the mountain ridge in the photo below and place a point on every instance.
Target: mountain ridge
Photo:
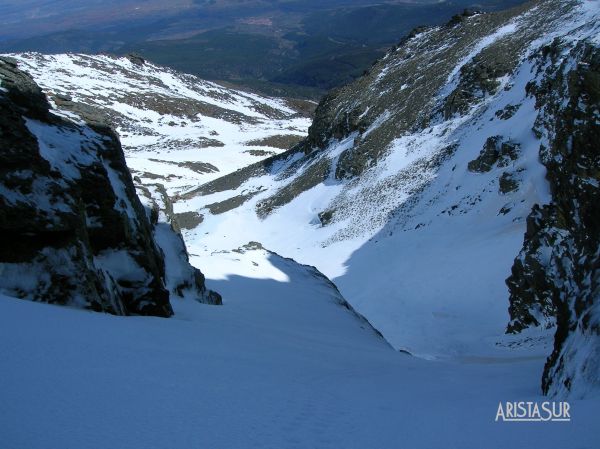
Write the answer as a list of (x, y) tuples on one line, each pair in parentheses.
[(280, 48), (432, 157)]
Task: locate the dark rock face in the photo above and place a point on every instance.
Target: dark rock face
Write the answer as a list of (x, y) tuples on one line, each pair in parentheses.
[(136, 59), (459, 18), (326, 217), (73, 230), (189, 220), (556, 277), (507, 183), (508, 111), (495, 152), (330, 123), (22, 90)]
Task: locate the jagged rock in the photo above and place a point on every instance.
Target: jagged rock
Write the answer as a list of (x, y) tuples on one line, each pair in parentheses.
[(93, 115), (507, 183), (556, 277), (496, 152), (331, 123), (531, 290), (73, 230), (136, 59), (326, 217), (479, 78), (459, 18), (508, 111), (181, 279), (22, 90)]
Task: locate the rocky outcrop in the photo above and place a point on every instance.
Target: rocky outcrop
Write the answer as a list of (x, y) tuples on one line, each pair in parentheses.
[(73, 230), (495, 152), (556, 277), (181, 278)]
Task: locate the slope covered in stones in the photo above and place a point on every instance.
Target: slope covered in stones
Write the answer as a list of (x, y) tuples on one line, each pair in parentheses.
[(176, 129)]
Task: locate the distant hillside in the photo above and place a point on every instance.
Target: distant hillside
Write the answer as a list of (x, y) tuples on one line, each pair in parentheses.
[(286, 48)]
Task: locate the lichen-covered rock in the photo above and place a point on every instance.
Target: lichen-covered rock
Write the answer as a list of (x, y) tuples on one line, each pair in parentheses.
[(479, 79), (556, 277), (73, 230)]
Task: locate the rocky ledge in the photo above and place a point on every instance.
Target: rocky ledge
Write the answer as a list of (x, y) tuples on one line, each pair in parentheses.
[(72, 229), (556, 277)]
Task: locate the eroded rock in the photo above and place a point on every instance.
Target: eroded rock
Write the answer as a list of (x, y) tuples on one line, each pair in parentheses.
[(73, 230)]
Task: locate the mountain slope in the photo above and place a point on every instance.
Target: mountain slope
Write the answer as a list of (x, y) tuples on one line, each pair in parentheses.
[(414, 190), (176, 129), (414, 186)]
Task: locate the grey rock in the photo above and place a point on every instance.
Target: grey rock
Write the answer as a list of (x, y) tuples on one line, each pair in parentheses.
[(556, 277), (73, 230), (496, 152)]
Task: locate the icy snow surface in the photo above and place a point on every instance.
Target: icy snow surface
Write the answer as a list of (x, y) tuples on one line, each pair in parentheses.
[(280, 365)]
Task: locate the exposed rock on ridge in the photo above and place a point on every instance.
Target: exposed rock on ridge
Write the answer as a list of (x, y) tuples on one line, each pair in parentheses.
[(73, 230), (556, 277)]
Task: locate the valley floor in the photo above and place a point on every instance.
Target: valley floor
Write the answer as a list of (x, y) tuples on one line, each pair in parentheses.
[(281, 365)]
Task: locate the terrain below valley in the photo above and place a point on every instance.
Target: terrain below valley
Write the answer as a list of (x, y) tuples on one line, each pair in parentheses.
[(284, 48), (380, 269)]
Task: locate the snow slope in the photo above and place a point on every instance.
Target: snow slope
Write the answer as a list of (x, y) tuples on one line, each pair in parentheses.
[(280, 365), (418, 241), (175, 128)]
